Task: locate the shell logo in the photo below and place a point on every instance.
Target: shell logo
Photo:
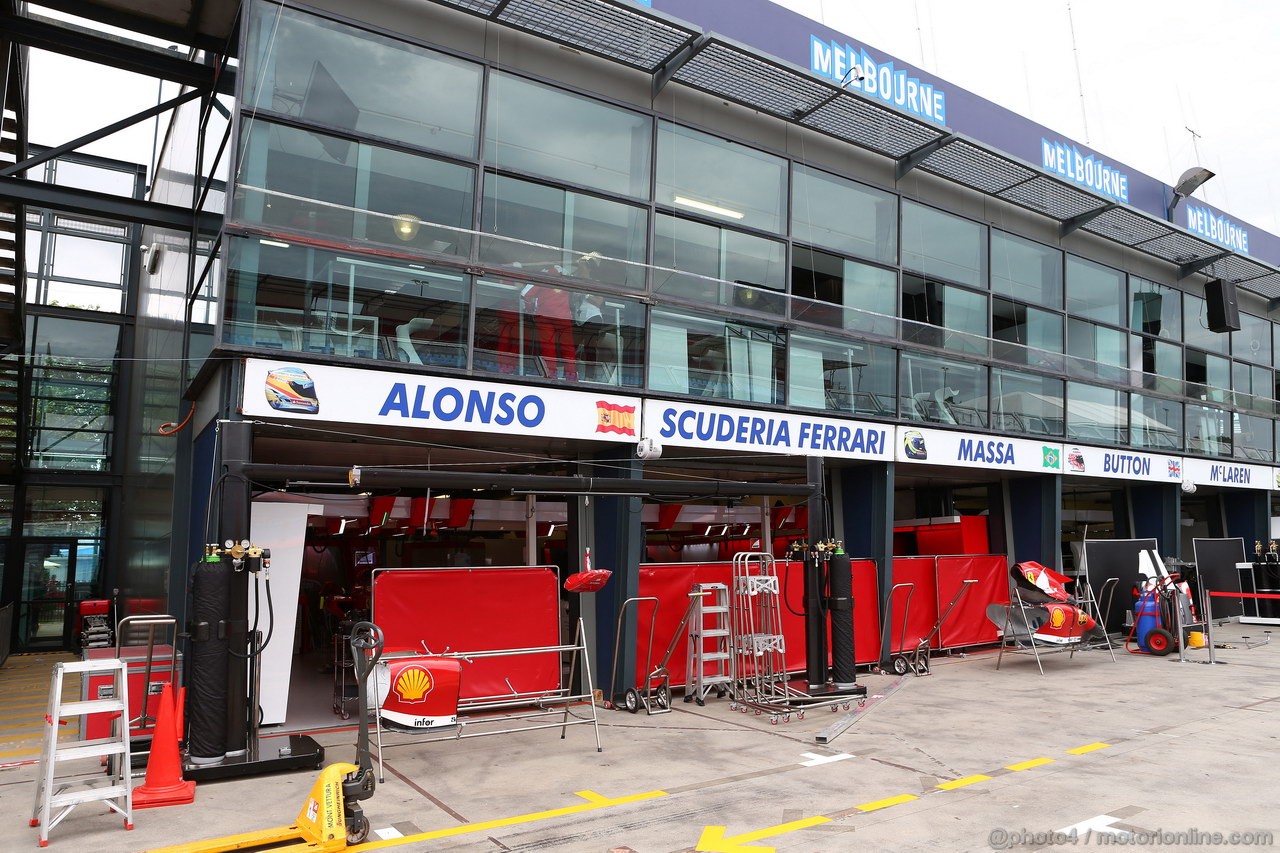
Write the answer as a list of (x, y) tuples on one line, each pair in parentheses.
[(413, 684), (1057, 617)]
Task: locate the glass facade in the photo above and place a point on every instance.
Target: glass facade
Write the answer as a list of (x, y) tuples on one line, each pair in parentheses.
[(505, 226)]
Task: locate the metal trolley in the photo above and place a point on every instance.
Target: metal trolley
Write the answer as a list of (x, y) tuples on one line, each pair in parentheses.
[(346, 687)]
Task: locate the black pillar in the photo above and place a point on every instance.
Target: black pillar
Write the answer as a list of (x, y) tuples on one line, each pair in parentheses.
[(1246, 514), (619, 546), (234, 525), (865, 499), (815, 617), (1155, 509), (1034, 510)]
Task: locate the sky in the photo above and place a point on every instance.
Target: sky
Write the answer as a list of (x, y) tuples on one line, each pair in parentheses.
[(1135, 76), (1131, 79)]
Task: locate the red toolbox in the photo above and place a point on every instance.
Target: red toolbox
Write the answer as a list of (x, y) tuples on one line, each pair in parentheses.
[(142, 687)]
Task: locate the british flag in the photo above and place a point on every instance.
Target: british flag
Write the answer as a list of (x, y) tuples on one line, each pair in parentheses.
[(1175, 468)]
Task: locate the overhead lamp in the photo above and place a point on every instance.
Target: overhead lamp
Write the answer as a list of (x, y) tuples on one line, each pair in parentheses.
[(406, 226), (707, 207), (1187, 184)]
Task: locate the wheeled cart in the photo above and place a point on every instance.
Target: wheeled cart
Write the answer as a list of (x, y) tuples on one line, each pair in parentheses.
[(346, 688)]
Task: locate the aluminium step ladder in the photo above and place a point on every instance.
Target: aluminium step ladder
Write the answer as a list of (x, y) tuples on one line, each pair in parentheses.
[(59, 786), (710, 657)]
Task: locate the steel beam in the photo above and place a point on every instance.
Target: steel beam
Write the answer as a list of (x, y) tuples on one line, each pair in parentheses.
[(106, 205), (83, 43)]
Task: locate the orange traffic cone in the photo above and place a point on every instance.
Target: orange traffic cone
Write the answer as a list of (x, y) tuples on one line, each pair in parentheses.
[(163, 785)]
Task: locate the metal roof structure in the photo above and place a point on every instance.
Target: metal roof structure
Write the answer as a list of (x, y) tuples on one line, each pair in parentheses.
[(673, 50)]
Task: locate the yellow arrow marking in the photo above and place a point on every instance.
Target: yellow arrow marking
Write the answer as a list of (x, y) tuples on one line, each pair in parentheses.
[(713, 838), (594, 801), (1027, 765), (885, 803), (1090, 747), (960, 783)]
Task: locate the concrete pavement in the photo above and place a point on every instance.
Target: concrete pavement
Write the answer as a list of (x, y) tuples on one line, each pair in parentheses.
[(967, 758)]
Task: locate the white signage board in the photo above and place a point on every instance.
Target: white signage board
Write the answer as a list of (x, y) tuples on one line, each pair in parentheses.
[(313, 392), (1228, 474), (1111, 463), (726, 428), (973, 450)]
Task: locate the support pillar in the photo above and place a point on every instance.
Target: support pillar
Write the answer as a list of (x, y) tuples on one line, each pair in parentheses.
[(1033, 507), (1155, 509), (619, 546), (1246, 513), (864, 521)]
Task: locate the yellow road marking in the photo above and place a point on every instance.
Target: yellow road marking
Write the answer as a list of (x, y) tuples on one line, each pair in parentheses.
[(714, 839), (960, 783), (1027, 765), (886, 803), (594, 801), (1090, 747)]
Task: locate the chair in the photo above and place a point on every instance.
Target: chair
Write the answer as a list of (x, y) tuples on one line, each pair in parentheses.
[(404, 339)]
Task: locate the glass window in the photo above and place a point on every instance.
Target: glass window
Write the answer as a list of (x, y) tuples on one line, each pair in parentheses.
[(1026, 335), (942, 245), (838, 376), (72, 377), (1253, 439), (1097, 415), (1251, 386), (87, 259), (299, 299), (706, 263), (1098, 351), (545, 131), (1025, 270), (558, 333), (715, 358), (1195, 327), (291, 179), (1156, 309), (1253, 341), (535, 224), (843, 294), (1095, 292), (1023, 403), (86, 176), (1208, 376), (333, 75), (838, 214), (1160, 362), (1208, 430), (1156, 423), (940, 390), (943, 315), (701, 174), (64, 511)]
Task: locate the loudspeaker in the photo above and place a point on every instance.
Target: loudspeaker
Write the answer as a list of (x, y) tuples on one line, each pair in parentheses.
[(1224, 312)]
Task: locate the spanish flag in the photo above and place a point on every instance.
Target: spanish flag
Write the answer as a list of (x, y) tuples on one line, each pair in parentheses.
[(610, 417)]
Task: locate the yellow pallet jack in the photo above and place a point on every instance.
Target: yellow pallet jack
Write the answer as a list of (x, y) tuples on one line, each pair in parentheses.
[(331, 818)]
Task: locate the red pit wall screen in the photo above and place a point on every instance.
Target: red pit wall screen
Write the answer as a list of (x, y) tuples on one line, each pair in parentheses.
[(936, 580), (474, 610), (968, 624), (670, 584)]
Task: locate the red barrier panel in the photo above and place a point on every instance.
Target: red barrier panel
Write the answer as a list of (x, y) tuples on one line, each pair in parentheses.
[(923, 611), (670, 584), (968, 624), (471, 610)]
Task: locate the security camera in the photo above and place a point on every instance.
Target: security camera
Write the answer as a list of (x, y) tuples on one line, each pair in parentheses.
[(152, 254), (1188, 487), (647, 448)]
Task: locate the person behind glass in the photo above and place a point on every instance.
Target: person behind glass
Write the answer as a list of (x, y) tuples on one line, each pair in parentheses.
[(552, 311)]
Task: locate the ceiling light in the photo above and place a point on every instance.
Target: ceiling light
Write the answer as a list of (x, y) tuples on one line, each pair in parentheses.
[(406, 226), (275, 243), (706, 207)]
